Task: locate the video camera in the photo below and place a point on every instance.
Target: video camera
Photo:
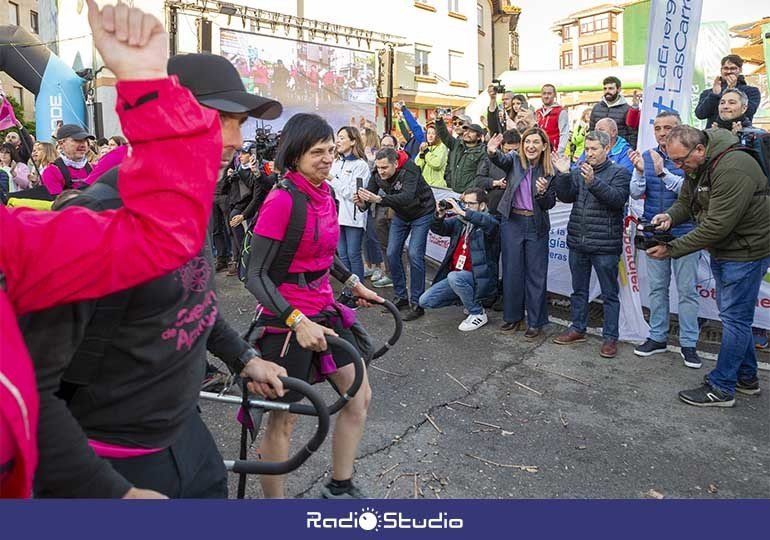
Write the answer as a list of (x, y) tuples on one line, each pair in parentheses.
[(265, 143), (446, 206), (647, 236), (498, 85)]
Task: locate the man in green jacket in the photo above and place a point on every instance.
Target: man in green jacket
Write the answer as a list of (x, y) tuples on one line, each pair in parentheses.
[(465, 152), (726, 192)]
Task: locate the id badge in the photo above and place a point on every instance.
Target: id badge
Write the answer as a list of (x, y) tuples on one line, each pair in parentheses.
[(460, 262)]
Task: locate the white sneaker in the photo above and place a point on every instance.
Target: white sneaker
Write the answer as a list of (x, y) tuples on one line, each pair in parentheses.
[(473, 322)]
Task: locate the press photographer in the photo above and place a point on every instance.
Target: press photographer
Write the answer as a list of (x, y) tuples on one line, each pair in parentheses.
[(468, 274), (726, 192)]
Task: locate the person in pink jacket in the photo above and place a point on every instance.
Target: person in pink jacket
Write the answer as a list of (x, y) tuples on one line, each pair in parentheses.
[(53, 258)]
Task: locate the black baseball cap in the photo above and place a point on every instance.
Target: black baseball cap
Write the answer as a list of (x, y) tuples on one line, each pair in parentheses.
[(475, 127), (216, 84), (72, 131)]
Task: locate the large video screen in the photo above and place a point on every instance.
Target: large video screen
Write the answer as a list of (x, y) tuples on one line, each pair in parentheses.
[(334, 82)]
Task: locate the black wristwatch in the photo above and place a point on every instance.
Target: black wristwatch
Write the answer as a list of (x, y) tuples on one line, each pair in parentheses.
[(245, 356)]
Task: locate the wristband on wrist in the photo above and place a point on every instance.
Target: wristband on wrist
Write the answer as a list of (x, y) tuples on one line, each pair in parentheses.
[(246, 356), (352, 281), (294, 318)]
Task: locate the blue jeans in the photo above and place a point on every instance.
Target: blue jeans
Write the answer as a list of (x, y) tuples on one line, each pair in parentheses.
[(737, 285), (399, 230), (659, 274), (525, 271), (606, 267), (458, 287), (349, 249)]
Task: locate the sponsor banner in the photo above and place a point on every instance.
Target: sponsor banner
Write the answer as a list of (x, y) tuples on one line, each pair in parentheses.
[(671, 46)]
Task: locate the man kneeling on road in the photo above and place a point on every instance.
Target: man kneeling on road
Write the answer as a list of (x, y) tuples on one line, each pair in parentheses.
[(726, 192), (468, 274)]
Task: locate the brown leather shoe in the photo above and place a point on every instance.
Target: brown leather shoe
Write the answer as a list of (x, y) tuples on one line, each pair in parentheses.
[(232, 268), (609, 348), (532, 333), (511, 326), (569, 337)]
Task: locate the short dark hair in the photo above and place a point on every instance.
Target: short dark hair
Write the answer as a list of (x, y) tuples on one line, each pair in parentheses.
[(666, 114), (387, 153), (733, 59), (611, 80), (395, 141), (511, 136), (481, 195), (8, 148), (687, 136), (119, 140), (550, 86), (102, 142), (300, 134)]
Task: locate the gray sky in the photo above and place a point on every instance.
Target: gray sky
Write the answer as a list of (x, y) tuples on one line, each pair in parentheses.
[(540, 47)]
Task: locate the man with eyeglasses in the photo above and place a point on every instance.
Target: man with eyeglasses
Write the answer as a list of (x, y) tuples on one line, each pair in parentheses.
[(730, 76), (465, 151), (656, 178), (726, 192), (468, 274)]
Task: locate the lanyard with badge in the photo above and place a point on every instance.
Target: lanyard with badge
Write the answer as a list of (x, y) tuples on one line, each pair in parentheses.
[(461, 259)]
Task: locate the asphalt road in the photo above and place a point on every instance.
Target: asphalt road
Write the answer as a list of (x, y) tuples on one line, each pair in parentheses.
[(518, 419)]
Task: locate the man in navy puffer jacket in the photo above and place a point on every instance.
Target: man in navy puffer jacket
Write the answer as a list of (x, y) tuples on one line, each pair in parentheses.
[(598, 191)]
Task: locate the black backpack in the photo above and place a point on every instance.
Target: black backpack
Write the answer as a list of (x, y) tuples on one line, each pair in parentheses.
[(87, 360), (754, 143), (279, 270)]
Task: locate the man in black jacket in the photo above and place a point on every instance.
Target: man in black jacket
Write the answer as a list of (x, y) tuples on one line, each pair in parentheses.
[(119, 377), (411, 198), (598, 191), (730, 77)]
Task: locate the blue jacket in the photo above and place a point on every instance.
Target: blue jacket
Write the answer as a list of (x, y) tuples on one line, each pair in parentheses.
[(412, 146), (484, 248), (708, 103), (515, 173), (660, 193), (596, 221)]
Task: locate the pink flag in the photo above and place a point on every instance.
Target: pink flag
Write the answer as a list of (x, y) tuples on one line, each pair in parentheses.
[(7, 118)]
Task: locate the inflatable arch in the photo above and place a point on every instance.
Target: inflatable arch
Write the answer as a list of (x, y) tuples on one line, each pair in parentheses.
[(58, 89)]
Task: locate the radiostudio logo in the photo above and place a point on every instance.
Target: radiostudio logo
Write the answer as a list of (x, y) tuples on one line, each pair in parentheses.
[(370, 519)]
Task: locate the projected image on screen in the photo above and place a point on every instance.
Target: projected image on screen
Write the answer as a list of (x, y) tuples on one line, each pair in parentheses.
[(335, 82)]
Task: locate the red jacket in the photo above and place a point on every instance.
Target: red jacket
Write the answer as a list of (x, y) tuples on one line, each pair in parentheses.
[(549, 122), (50, 258)]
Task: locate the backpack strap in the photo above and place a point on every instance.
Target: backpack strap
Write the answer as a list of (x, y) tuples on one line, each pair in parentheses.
[(65, 172), (279, 270)]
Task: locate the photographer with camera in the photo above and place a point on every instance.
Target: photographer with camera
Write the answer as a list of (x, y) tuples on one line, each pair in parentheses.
[(468, 274), (730, 77), (725, 191), (412, 201), (659, 180), (465, 153), (246, 188), (508, 117), (598, 191)]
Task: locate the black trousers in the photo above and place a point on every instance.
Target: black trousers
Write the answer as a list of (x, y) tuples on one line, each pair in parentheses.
[(191, 468), (219, 225)]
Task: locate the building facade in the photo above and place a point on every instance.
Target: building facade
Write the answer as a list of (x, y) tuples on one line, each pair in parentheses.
[(24, 13)]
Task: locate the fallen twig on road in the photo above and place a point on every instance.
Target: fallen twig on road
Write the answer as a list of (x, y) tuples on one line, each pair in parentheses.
[(526, 468), (479, 422), (562, 418), (458, 382), (427, 334), (432, 423), (570, 377), (386, 371), (386, 471), (524, 386), (464, 404)]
